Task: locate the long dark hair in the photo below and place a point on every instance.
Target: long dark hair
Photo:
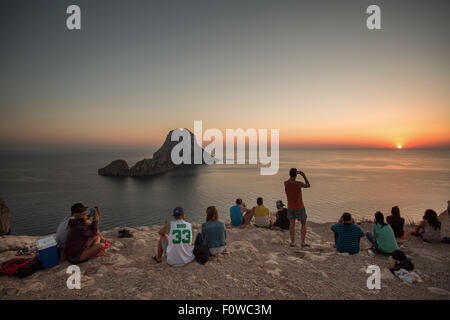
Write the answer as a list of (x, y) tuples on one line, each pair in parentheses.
[(379, 218), (395, 211), (395, 215), (431, 217)]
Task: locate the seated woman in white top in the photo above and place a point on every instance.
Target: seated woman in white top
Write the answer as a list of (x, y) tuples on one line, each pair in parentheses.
[(429, 228)]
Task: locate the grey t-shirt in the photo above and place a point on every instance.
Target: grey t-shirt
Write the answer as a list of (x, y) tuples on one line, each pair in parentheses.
[(61, 232)]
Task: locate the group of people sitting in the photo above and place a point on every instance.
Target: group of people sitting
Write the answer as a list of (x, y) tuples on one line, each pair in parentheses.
[(176, 237), (284, 218), (384, 235), (241, 216), (79, 239)]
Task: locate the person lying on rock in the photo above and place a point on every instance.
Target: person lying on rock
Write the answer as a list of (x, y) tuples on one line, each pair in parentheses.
[(213, 233), (176, 241), (83, 241), (347, 235)]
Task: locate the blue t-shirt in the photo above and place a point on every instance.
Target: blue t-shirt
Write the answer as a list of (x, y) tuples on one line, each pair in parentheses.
[(348, 237), (236, 216), (214, 234)]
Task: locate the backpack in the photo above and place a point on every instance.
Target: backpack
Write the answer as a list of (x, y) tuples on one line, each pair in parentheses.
[(201, 253), (401, 261), (21, 267)]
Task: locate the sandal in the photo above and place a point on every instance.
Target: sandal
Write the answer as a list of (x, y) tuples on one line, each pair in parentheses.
[(304, 245), (156, 259)]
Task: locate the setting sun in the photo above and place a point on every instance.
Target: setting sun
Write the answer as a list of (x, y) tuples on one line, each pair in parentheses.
[(399, 147)]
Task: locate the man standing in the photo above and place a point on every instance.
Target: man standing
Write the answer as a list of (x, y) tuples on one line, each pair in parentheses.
[(296, 208)]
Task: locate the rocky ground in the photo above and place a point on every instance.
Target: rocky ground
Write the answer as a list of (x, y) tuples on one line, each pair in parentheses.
[(258, 264)]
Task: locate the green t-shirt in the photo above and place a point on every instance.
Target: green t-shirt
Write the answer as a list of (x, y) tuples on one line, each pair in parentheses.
[(385, 238)]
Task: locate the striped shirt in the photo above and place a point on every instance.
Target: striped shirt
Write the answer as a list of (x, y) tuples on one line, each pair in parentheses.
[(348, 237)]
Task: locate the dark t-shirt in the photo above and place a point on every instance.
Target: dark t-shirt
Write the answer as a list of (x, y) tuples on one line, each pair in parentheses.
[(77, 237), (348, 237), (283, 221), (397, 226)]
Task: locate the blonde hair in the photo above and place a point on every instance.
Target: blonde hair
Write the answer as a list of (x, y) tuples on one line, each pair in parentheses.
[(212, 214)]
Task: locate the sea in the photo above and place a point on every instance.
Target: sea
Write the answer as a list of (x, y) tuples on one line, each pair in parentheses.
[(39, 187)]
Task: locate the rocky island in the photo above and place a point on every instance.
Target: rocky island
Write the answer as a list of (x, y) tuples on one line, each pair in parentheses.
[(160, 163)]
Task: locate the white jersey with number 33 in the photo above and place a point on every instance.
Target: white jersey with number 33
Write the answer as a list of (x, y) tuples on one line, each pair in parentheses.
[(180, 248)]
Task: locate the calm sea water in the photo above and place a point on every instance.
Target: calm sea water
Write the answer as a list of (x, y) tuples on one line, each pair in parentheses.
[(39, 188)]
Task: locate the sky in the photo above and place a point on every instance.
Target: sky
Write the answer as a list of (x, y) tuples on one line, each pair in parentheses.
[(138, 69)]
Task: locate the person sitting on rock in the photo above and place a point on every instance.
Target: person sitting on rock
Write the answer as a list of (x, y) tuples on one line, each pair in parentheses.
[(214, 234), (444, 218), (236, 213), (83, 241), (176, 241), (396, 222), (282, 221), (429, 229), (63, 227), (347, 235), (382, 238), (261, 214)]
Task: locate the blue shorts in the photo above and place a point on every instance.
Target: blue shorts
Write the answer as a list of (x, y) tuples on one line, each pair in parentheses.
[(300, 214)]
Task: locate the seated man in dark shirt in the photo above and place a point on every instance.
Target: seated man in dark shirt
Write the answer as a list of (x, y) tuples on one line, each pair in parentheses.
[(282, 220), (347, 235)]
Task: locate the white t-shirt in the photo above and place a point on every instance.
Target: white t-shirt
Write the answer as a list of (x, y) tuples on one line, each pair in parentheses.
[(180, 248)]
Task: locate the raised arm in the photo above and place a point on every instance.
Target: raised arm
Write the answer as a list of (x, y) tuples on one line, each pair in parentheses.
[(87, 231), (306, 184)]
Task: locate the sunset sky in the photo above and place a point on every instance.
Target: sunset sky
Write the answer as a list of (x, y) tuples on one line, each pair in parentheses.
[(140, 68)]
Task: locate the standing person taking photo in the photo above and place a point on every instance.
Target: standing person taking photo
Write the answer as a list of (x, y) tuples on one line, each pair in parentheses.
[(295, 206)]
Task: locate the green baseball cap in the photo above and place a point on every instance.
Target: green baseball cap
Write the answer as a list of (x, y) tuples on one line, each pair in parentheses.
[(280, 203)]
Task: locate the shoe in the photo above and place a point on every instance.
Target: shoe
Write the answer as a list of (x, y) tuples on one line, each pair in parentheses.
[(125, 233)]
